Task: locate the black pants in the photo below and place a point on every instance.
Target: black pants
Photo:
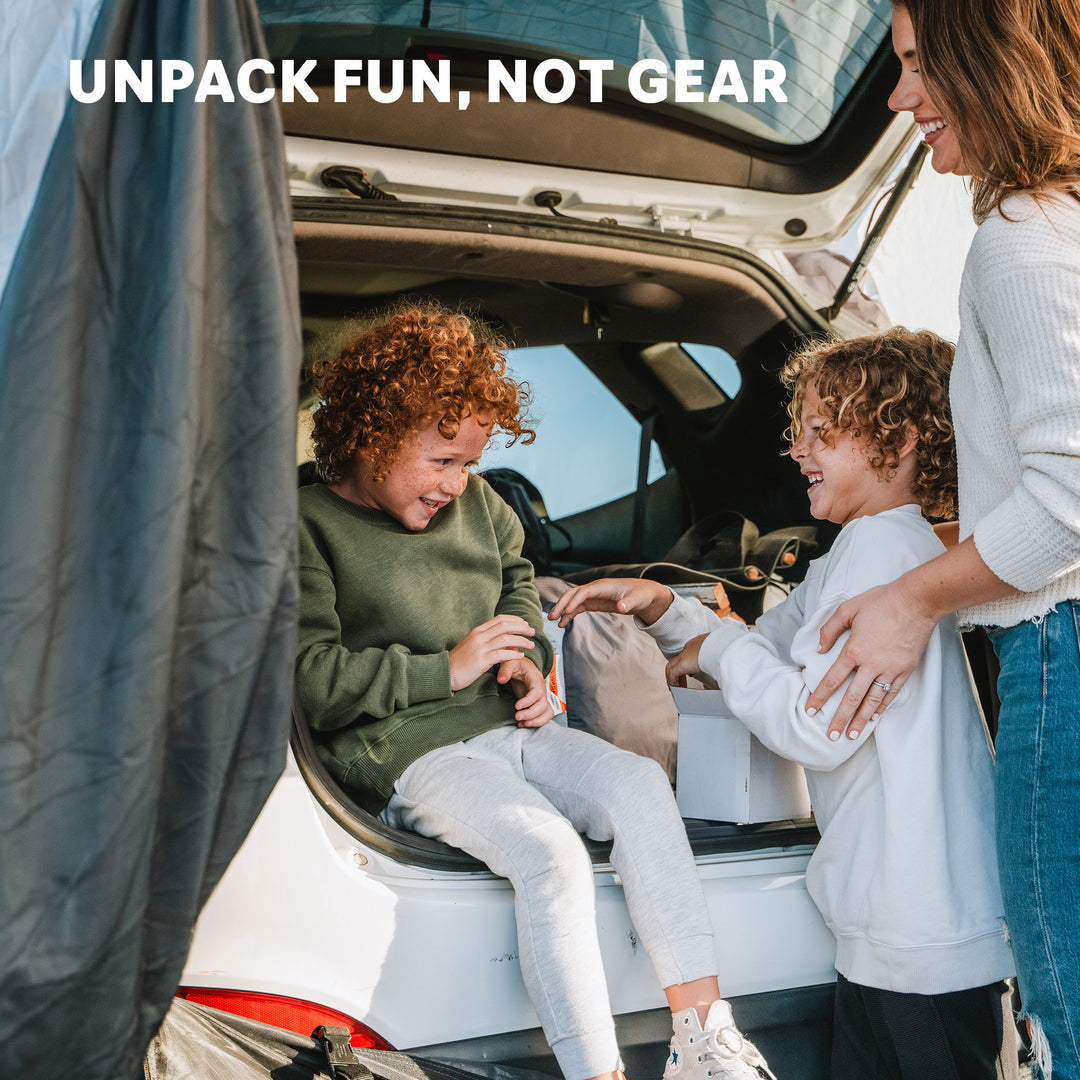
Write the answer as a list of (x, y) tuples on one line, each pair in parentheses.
[(883, 1035)]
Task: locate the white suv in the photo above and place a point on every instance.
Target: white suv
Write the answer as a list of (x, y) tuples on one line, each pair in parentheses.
[(645, 258)]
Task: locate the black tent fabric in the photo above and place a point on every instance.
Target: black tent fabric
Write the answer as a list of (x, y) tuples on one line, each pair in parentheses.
[(149, 358)]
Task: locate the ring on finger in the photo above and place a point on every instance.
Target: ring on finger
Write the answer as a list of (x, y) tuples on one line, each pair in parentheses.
[(886, 686)]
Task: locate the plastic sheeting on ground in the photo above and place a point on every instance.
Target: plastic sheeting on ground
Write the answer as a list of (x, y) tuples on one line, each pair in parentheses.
[(199, 1043), (149, 355)]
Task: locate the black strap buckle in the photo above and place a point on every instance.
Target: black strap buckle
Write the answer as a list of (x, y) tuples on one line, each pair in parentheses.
[(339, 1053)]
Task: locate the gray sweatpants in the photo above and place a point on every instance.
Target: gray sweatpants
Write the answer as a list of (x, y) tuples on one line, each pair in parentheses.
[(517, 799)]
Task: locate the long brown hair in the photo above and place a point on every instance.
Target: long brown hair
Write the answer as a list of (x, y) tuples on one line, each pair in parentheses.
[(1006, 75)]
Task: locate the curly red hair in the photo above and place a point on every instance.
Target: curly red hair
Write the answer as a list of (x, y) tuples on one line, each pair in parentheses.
[(418, 364), (882, 386)]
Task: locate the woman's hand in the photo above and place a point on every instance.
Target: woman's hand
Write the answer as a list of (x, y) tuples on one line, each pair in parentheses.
[(493, 642), (686, 664), (624, 596), (890, 628), (533, 708), (889, 633)]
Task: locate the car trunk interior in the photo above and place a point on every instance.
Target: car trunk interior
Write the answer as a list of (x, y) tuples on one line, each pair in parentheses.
[(609, 297), (619, 304)]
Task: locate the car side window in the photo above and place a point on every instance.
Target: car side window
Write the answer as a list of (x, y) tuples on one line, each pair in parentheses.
[(587, 443), (718, 364)]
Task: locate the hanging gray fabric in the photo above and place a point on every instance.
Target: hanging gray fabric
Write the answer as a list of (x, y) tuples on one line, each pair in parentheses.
[(149, 356)]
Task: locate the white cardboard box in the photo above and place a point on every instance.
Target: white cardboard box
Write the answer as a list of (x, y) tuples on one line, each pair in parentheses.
[(724, 773)]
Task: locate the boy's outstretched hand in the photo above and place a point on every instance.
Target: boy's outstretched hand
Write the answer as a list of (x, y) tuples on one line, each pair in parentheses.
[(686, 664), (527, 681), (493, 642), (648, 600)]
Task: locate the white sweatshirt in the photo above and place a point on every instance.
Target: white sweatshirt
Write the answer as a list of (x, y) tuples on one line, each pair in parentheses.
[(905, 874), (1015, 393)]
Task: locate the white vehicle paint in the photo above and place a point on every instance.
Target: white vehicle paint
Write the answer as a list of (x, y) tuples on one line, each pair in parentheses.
[(740, 216), (424, 957)]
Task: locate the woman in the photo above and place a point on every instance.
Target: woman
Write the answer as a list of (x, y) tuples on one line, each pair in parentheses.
[(995, 87)]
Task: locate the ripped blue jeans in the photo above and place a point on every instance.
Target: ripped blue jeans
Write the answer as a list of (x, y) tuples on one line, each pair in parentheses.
[(1038, 827)]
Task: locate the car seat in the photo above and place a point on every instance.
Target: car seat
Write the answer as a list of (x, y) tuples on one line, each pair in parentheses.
[(524, 498)]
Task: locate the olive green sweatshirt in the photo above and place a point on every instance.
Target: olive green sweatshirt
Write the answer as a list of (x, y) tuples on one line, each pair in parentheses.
[(380, 609)]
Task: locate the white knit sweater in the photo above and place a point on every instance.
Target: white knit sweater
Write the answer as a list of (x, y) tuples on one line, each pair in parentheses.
[(1015, 393)]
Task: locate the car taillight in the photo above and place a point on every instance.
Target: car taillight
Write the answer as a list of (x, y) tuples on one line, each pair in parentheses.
[(293, 1014)]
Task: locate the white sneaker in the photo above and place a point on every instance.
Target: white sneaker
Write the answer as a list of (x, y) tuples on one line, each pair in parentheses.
[(718, 1051)]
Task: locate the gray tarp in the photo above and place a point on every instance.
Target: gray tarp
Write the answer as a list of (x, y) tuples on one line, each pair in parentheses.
[(198, 1043), (149, 346)]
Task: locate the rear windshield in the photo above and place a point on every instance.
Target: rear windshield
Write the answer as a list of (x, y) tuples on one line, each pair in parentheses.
[(823, 45)]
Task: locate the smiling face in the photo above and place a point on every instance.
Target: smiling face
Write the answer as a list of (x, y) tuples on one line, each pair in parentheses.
[(842, 484), (428, 473), (911, 96)]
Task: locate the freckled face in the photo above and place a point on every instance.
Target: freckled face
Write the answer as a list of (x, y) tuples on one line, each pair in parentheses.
[(911, 96), (842, 485), (428, 473)]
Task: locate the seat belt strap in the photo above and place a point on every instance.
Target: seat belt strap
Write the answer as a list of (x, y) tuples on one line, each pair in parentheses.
[(641, 494)]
